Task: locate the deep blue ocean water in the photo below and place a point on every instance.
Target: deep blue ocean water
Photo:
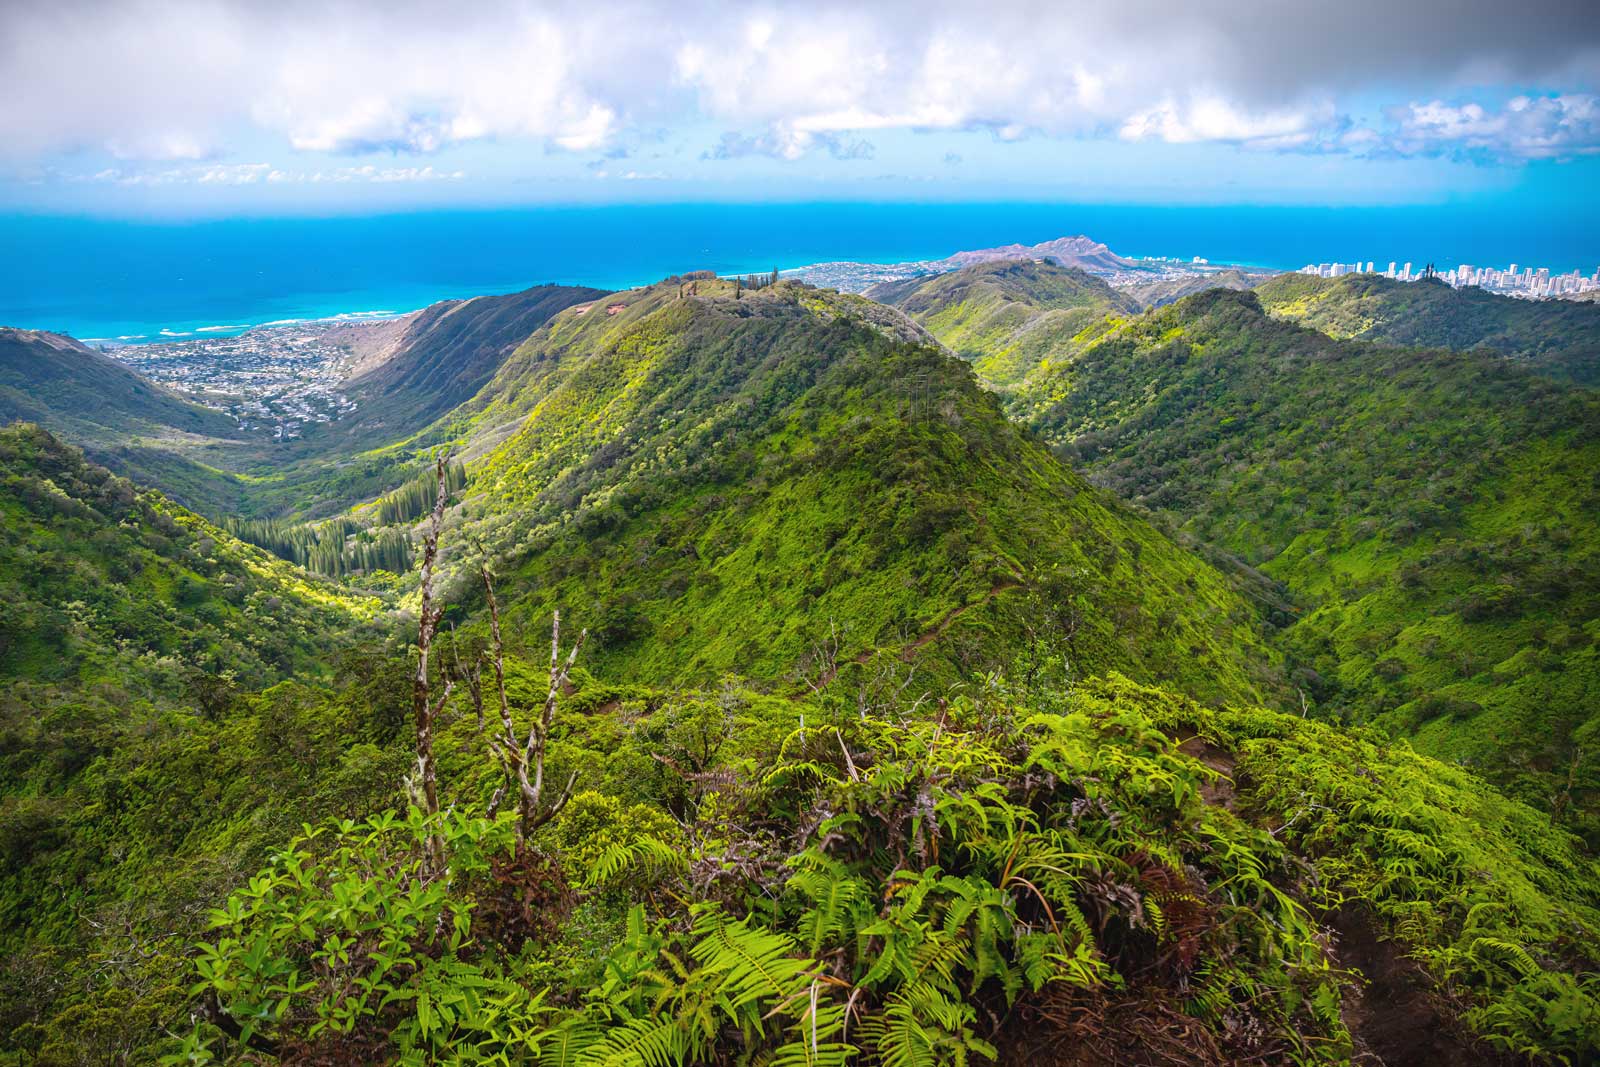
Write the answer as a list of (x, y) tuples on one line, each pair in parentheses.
[(106, 279)]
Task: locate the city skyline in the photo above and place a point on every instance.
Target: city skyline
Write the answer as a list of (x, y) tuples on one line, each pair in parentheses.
[(1514, 280)]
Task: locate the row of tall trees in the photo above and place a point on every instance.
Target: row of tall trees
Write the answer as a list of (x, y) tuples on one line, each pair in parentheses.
[(414, 499), (753, 281), (337, 547), (342, 547)]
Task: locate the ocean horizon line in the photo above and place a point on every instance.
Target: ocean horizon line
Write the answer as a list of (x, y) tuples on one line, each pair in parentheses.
[(112, 283)]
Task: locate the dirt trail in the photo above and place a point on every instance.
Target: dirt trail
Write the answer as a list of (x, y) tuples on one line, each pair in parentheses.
[(1219, 791), (1394, 1016)]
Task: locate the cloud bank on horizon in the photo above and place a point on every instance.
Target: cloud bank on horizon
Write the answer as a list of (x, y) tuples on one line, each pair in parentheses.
[(140, 83)]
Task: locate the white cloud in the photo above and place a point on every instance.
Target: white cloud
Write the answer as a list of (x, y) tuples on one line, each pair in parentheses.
[(160, 80), (266, 173), (1525, 127), (1214, 119)]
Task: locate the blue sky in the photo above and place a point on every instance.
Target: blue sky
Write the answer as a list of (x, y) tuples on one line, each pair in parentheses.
[(144, 108)]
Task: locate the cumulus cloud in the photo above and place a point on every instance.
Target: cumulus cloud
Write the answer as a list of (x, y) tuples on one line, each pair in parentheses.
[(191, 81), (1525, 127)]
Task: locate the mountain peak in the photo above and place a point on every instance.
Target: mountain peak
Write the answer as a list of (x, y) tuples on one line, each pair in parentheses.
[(1079, 251)]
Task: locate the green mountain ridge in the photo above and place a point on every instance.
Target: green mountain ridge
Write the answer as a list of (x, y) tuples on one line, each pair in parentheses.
[(1006, 317), (441, 357), (1560, 338), (1432, 512), (894, 740), (663, 465)]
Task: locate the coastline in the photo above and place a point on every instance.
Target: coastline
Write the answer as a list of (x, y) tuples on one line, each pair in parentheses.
[(122, 282)]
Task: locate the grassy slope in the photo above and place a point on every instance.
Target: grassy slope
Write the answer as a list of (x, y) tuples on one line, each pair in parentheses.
[(1433, 512), (717, 485), (111, 585), (1559, 338), (1006, 317), (143, 430)]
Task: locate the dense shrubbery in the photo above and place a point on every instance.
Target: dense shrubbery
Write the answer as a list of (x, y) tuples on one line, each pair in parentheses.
[(106, 583), (996, 880), (1431, 512)]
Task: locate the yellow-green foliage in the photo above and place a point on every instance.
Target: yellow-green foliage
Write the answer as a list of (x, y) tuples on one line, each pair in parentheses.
[(1007, 317), (777, 485), (1431, 513), (108, 583), (1557, 337), (931, 879)]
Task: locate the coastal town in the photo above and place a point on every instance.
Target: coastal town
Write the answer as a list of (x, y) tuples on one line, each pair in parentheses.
[(275, 380), (1532, 283), (853, 277)]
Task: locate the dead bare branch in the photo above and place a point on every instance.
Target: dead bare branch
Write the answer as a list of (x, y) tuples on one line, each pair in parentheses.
[(424, 710)]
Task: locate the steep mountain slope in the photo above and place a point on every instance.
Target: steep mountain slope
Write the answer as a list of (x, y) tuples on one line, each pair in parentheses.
[(409, 372), (788, 483), (424, 365), (121, 418), (57, 381), (1161, 293), (746, 499), (1557, 337), (137, 760), (1435, 513), (1006, 317), (110, 584)]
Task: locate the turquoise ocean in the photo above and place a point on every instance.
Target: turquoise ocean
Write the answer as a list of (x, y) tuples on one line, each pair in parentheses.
[(108, 279)]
